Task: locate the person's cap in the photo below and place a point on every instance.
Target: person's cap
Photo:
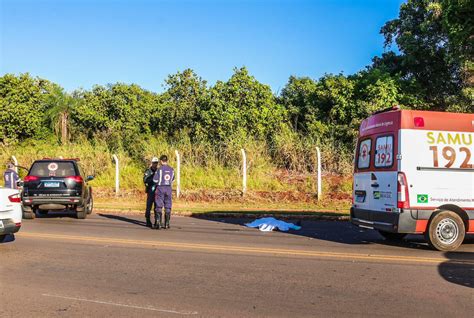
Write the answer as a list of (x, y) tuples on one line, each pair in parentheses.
[(164, 158), (154, 159)]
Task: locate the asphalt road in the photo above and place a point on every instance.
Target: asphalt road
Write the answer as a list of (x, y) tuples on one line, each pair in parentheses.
[(111, 265)]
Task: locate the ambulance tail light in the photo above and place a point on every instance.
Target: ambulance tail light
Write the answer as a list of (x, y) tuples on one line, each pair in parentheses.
[(402, 192), (352, 196)]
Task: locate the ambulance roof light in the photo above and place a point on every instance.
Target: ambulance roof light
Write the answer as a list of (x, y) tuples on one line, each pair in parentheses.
[(419, 122)]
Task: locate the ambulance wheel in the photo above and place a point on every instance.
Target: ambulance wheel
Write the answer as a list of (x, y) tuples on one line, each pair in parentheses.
[(445, 231), (389, 236)]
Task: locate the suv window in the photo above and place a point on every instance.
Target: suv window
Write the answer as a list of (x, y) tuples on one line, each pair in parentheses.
[(363, 162), (384, 152), (52, 169)]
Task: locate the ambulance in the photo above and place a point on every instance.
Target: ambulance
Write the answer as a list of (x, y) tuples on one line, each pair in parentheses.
[(414, 174)]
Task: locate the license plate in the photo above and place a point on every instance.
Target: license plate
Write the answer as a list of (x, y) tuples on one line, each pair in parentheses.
[(360, 199), (1, 224), (51, 184), (360, 196)]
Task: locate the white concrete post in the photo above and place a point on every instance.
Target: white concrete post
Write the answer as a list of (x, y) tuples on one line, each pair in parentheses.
[(117, 174), (244, 171), (15, 162), (178, 174), (319, 194)]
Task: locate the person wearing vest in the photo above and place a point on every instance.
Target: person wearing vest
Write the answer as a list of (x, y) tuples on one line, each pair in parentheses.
[(163, 180)]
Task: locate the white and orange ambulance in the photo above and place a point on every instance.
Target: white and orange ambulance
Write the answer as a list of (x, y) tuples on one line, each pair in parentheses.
[(414, 173)]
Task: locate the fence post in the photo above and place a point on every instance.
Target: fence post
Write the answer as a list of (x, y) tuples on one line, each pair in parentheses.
[(178, 174), (15, 162), (117, 174), (319, 193), (244, 171)]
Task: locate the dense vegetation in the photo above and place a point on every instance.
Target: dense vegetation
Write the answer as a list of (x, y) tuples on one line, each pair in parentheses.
[(432, 69)]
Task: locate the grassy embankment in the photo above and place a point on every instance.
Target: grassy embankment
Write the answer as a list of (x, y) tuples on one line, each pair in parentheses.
[(212, 187)]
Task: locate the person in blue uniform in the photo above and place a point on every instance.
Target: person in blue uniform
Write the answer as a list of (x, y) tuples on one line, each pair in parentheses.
[(11, 177), (163, 180), (150, 188)]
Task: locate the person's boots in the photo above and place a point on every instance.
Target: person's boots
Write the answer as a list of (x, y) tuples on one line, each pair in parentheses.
[(167, 221), (157, 224), (148, 222)]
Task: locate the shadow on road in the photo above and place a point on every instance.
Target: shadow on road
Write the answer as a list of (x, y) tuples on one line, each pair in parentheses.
[(122, 218), (8, 239), (334, 231), (57, 214), (455, 272)]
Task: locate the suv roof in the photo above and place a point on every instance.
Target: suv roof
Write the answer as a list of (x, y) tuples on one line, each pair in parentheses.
[(59, 159)]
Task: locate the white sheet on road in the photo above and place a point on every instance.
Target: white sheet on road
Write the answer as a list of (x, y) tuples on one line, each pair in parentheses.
[(270, 224)]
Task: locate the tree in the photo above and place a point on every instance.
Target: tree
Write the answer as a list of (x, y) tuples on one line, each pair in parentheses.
[(298, 98), (239, 109), (118, 113), (22, 106), (59, 105), (181, 103), (432, 37)]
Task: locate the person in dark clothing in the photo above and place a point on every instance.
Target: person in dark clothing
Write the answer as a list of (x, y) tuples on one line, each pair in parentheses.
[(150, 189), (163, 179), (10, 176)]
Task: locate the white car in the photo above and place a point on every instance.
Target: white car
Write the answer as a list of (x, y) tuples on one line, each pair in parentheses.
[(10, 212)]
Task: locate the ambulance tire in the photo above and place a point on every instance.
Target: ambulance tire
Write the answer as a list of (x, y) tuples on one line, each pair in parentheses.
[(445, 231), (389, 236)]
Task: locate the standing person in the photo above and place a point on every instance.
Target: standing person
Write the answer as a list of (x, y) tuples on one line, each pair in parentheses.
[(150, 189), (163, 179), (11, 177)]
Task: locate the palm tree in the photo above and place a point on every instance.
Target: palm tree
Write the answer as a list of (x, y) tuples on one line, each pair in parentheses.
[(59, 105)]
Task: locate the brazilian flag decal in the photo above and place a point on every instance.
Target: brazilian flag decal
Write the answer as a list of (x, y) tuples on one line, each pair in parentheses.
[(422, 198)]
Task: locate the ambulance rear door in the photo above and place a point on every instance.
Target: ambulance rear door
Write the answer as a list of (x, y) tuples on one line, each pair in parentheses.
[(375, 179)]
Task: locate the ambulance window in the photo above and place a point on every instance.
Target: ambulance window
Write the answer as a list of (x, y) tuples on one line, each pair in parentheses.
[(363, 161), (384, 152)]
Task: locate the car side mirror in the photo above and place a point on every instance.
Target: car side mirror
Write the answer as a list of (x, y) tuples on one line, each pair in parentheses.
[(89, 178)]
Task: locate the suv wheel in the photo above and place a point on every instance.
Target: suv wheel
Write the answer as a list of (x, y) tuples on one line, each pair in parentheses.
[(90, 205), (28, 213), (81, 212)]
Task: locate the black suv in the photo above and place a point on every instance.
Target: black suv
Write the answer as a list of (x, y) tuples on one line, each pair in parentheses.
[(56, 184)]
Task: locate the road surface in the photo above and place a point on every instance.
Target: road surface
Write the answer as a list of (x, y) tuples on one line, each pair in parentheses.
[(111, 265)]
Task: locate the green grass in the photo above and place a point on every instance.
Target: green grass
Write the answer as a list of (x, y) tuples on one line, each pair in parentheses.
[(207, 182), (138, 204)]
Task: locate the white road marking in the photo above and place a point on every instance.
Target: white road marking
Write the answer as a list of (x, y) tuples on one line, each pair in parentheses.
[(124, 305)]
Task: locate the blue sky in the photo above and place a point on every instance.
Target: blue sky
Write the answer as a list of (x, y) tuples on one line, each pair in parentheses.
[(82, 43)]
